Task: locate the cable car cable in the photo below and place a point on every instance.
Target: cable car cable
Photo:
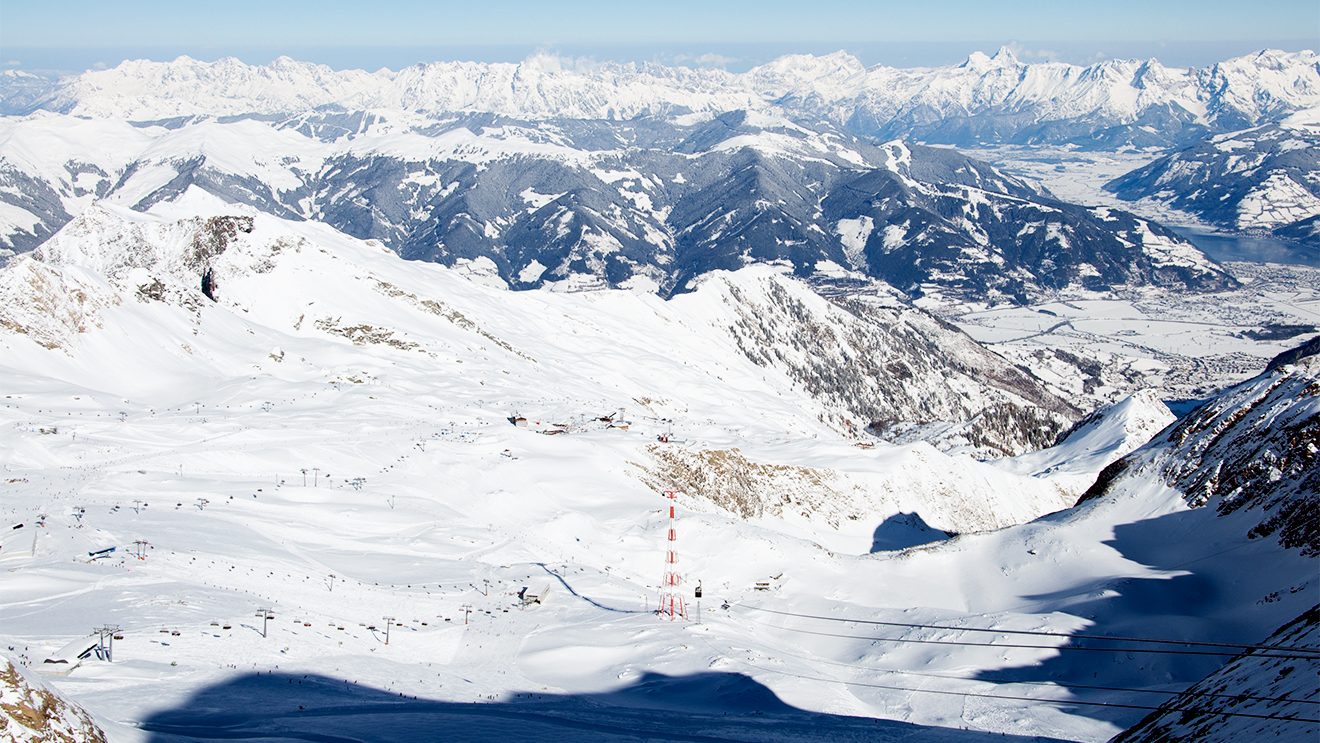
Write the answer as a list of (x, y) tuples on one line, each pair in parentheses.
[(1041, 633)]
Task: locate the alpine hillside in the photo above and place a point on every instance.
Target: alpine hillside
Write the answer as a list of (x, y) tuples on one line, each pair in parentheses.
[(1261, 180), (651, 202)]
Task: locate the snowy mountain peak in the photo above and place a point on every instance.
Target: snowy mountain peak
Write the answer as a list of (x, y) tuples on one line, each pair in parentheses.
[(801, 72), (1099, 439), (1279, 60), (1150, 74), (1142, 99), (979, 61), (1005, 56)]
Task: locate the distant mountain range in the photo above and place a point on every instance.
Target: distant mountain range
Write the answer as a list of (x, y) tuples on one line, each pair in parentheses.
[(576, 203), (566, 174), (986, 99)]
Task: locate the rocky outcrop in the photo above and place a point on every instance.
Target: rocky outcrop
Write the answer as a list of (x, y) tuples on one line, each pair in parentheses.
[(30, 712)]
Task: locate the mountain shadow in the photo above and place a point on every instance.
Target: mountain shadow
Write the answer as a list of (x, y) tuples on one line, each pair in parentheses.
[(1233, 555), (710, 706), (1201, 576), (903, 530)]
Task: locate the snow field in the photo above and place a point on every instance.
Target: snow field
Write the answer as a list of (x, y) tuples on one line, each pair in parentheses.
[(331, 356)]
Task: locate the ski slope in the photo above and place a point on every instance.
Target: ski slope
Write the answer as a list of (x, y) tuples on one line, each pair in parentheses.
[(330, 437)]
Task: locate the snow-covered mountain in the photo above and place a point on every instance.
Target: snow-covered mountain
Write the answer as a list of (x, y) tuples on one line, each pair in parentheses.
[(1250, 453), (1279, 692), (51, 167), (259, 353), (606, 202), (986, 99), (1250, 458), (297, 418), (877, 364), (1100, 438), (1262, 180), (1216, 514), (22, 92)]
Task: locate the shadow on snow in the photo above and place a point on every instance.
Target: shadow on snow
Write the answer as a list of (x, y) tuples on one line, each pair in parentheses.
[(702, 707), (903, 530), (1212, 561)]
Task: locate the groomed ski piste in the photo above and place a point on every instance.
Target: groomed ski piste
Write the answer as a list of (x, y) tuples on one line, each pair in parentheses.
[(331, 436)]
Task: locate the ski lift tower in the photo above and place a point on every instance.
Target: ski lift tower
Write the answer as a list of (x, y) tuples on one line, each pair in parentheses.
[(671, 592)]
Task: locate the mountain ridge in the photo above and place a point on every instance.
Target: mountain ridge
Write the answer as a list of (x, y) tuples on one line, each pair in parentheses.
[(984, 99), (886, 360), (1263, 180), (561, 202)]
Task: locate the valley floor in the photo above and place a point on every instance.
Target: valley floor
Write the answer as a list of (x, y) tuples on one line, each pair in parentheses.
[(1186, 345)]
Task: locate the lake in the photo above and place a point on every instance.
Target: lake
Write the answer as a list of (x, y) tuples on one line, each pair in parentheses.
[(1224, 248)]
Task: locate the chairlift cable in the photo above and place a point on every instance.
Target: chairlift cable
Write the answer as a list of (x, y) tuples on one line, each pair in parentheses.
[(1041, 633)]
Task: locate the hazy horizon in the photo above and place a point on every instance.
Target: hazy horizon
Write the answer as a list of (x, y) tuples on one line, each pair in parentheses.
[(77, 35), (733, 57)]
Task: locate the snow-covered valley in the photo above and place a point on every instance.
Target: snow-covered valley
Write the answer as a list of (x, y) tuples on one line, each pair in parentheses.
[(1188, 346)]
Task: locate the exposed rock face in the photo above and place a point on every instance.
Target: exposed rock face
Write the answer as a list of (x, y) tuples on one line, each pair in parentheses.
[(1255, 449), (731, 481), (46, 295), (924, 502), (1269, 689), (894, 370), (1259, 451), (32, 713), (211, 237)]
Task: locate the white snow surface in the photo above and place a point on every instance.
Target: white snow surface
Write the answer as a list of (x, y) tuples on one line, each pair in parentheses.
[(1099, 439), (329, 437), (835, 86)]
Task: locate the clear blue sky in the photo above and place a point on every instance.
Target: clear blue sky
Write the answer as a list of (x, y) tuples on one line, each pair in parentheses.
[(73, 34)]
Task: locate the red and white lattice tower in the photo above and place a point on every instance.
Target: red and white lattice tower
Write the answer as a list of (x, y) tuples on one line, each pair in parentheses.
[(671, 591)]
